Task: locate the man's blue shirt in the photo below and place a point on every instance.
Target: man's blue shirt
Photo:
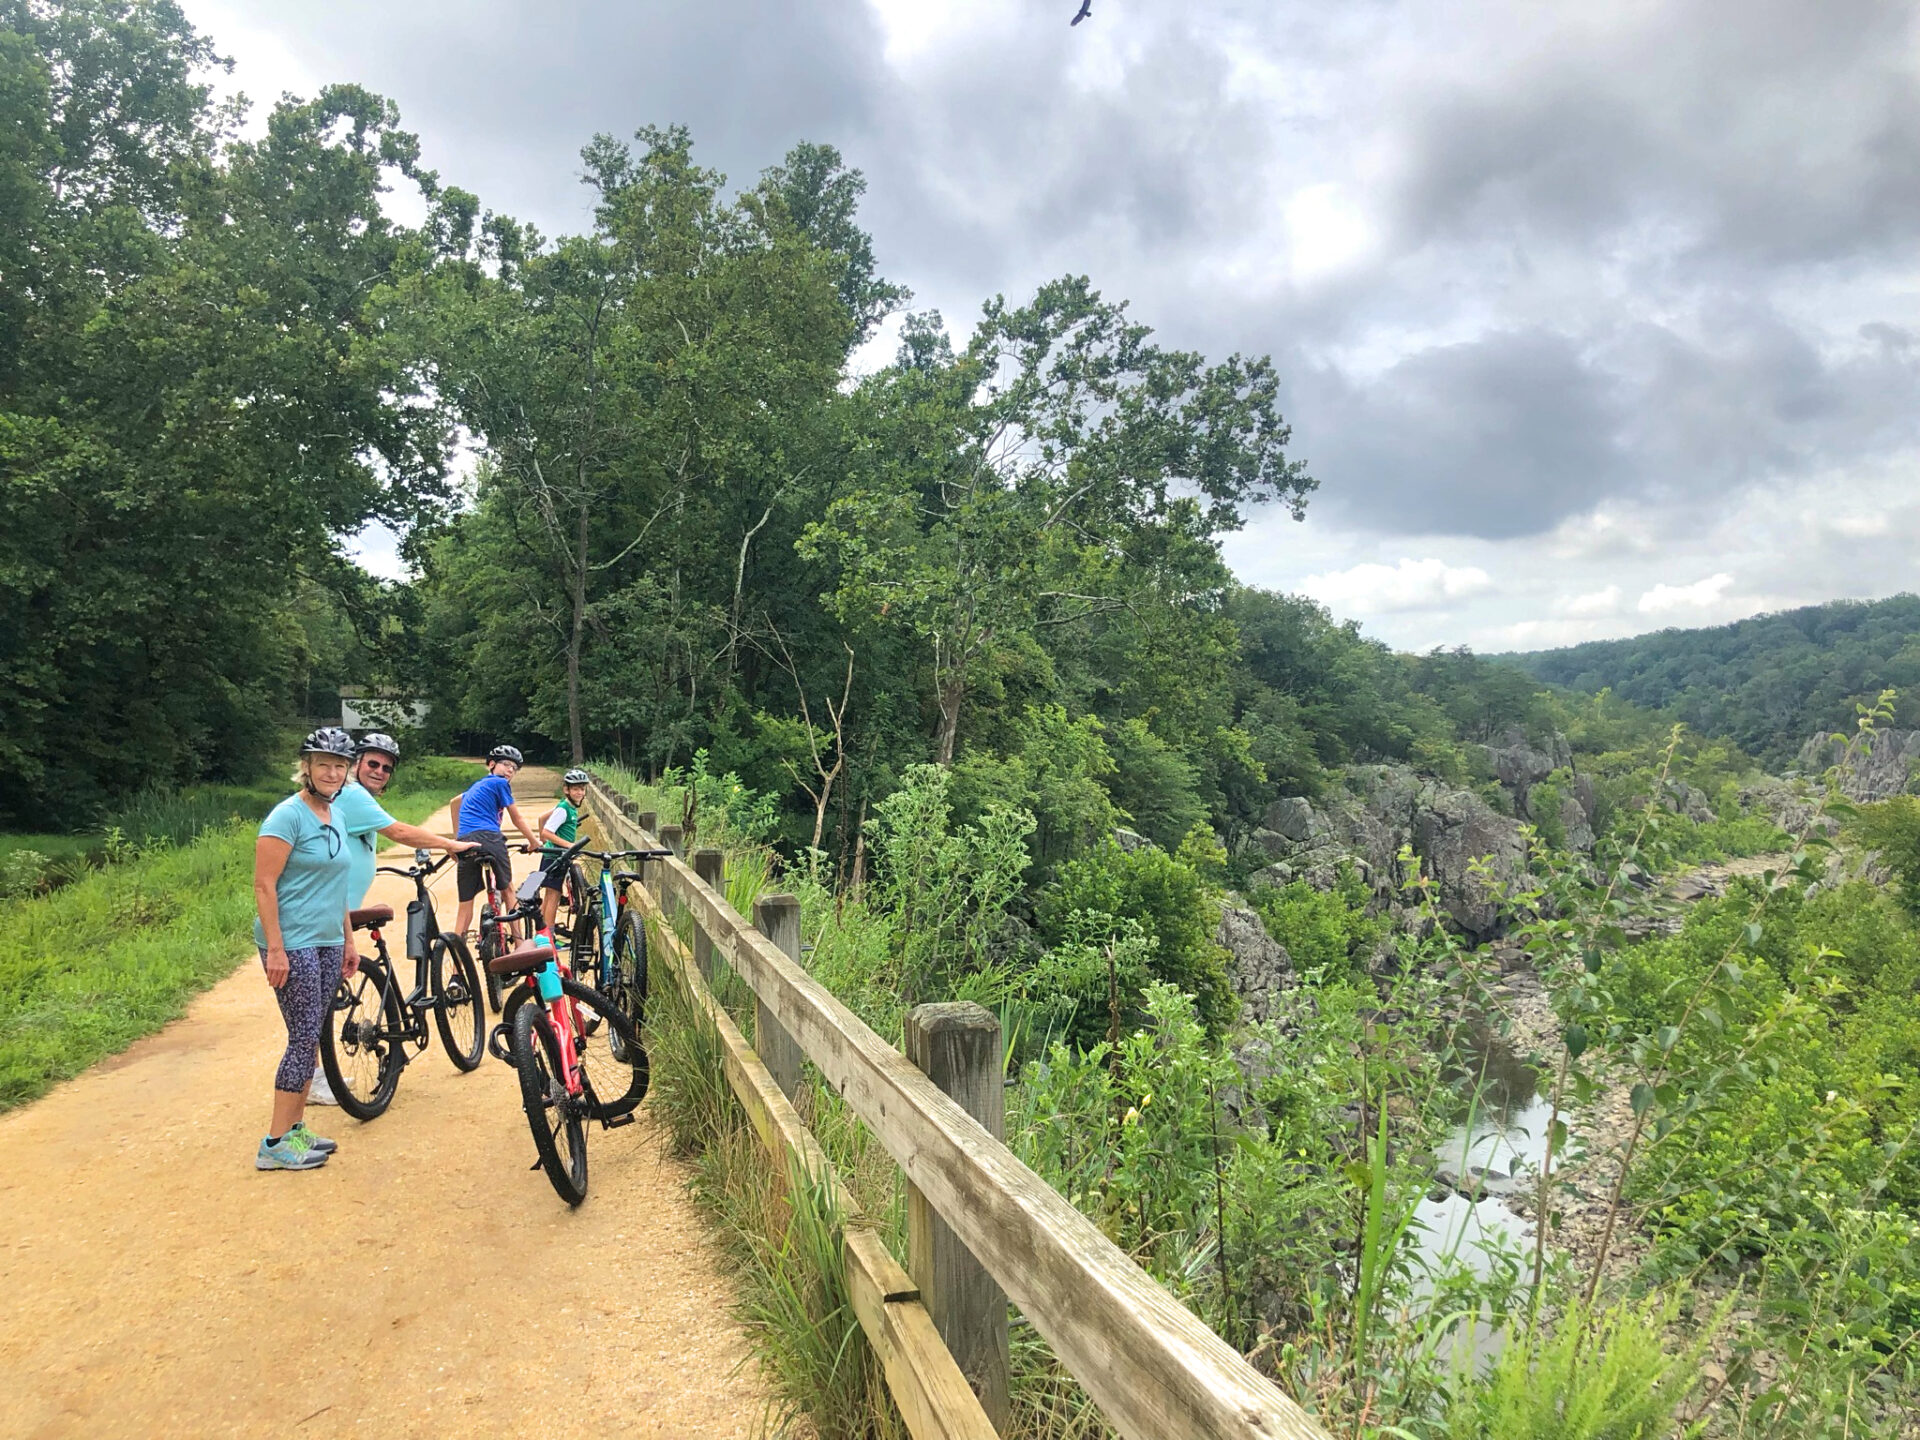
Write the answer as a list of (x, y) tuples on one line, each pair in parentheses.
[(359, 814)]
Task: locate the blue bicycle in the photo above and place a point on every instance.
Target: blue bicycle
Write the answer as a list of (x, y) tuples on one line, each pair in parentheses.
[(609, 946)]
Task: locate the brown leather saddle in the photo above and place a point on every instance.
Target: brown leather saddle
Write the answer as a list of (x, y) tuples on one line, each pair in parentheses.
[(521, 961)]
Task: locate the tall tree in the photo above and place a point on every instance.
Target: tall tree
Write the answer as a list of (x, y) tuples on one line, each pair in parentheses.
[(1006, 488), (191, 409)]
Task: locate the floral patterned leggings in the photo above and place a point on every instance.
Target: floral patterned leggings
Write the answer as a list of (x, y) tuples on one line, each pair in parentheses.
[(312, 973)]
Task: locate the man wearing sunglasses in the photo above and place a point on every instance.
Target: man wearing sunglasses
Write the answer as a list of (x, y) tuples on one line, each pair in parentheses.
[(357, 811)]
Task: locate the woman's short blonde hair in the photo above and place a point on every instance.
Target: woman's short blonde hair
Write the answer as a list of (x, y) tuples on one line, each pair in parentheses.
[(303, 767)]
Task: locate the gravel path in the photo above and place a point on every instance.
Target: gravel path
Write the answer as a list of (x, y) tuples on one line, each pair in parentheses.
[(426, 1282)]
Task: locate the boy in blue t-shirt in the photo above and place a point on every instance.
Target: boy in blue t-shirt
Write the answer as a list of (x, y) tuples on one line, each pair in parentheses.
[(477, 817)]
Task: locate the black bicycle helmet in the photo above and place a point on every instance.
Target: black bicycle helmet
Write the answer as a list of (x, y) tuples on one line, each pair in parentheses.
[(575, 777), (328, 740), (506, 752), (381, 742)]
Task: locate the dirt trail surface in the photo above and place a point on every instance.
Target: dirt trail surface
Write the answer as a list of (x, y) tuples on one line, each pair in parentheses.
[(423, 1283)]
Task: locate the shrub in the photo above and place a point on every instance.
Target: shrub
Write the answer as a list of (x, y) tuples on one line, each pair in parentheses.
[(1893, 828), (23, 873), (1168, 897), (1324, 931)]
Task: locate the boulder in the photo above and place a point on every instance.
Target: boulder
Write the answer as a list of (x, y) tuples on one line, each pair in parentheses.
[(1131, 840), (1519, 763), (1259, 967), (1789, 804), (1293, 819), (1576, 819), (1690, 801), (1453, 830), (1380, 809)]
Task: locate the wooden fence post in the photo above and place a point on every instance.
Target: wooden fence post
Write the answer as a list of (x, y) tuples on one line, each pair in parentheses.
[(649, 823), (957, 1046), (674, 838), (711, 866), (778, 918)]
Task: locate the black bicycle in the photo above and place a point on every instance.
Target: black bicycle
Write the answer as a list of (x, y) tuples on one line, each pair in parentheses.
[(372, 1030)]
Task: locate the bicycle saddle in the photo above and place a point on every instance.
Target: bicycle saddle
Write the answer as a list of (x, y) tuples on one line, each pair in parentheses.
[(371, 917), (527, 958)]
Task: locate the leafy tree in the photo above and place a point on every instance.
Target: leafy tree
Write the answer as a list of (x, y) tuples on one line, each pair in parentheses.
[(999, 491), (193, 404)]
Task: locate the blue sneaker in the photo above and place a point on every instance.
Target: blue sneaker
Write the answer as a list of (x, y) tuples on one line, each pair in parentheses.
[(289, 1154), (311, 1140)]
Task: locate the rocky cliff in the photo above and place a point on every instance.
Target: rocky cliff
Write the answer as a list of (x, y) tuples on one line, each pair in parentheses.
[(1889, 768)]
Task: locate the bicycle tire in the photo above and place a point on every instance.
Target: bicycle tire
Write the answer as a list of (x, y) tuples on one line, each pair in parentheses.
[(583, 950), (627, 983), (456, 985), (359, 1048), (551, 1112), (489, 948), (616, 1083)]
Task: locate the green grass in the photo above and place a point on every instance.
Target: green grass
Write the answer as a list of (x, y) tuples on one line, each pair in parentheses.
[(54, 847), (94, 966), (113, 956)]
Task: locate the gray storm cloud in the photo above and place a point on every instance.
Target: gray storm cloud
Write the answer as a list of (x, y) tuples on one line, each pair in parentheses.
[(1558, 257)]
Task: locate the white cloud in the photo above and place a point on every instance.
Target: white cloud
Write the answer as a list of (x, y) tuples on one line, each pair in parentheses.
[(1327, 232), (1697, 596), (1545, 634), (1594, 603), (1371, 589), (1855, 527)]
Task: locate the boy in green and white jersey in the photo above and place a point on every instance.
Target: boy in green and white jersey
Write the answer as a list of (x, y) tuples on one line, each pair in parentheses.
[(559, 827)]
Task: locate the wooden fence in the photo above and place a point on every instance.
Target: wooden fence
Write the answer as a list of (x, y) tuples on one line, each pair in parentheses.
[(983, 1228)]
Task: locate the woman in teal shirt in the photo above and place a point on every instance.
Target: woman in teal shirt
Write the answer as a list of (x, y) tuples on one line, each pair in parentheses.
[(300, 877)]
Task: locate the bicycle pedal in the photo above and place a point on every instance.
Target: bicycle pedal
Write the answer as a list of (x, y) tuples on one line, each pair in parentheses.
[(421, 1000), (617, 1121)]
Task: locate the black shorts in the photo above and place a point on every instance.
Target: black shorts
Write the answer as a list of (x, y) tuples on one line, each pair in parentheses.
[(552, 876), (493, 847)]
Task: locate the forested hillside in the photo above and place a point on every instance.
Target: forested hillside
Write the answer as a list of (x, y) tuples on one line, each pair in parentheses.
[(1766, 683)]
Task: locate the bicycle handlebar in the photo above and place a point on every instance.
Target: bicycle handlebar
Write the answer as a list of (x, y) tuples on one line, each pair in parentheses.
[(420, 868)]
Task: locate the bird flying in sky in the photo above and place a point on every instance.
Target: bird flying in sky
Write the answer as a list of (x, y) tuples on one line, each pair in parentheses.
[(1086, 9)]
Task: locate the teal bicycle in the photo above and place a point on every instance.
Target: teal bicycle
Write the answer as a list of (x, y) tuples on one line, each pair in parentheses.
[(609, 946)]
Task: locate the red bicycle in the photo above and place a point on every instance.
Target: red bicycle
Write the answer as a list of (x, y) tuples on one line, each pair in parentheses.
[(499, 927), (579, 1058)]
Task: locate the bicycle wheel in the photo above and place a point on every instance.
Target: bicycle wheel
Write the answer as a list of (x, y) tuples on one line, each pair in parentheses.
[(612, 1059), (554, 1116), (627, 974), (490, 946), (583, 949), (359, 1043), (461, 1015)]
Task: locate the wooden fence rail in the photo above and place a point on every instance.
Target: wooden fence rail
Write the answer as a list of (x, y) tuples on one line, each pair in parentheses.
[(1154, 1369)]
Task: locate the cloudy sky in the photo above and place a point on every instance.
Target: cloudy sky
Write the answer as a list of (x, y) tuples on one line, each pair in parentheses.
[(1592, 319)]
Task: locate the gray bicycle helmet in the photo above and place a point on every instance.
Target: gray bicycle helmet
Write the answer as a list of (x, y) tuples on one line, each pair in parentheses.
[(575, 777), (506, 752), (328, 740), (377, 740)]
